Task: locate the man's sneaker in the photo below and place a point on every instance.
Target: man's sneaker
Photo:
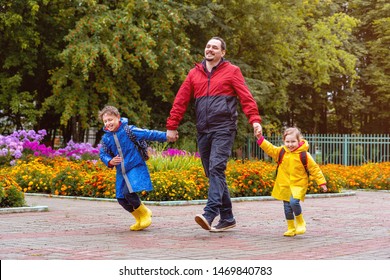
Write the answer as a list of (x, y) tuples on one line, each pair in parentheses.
[(223, 225), (202, 221)]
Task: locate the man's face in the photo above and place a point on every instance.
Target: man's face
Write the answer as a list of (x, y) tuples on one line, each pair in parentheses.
[(213, 51)]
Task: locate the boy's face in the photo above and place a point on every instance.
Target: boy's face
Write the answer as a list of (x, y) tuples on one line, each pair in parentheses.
[(291, 142), (111, 122)]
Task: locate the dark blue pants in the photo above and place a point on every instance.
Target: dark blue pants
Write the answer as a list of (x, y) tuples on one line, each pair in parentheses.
[(291, 208), (130, 202), (215, 149)]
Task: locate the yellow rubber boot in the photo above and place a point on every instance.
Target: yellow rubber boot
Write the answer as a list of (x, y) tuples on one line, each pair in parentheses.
[(301, 225), (145, 216), (290, 228), (136, 215)]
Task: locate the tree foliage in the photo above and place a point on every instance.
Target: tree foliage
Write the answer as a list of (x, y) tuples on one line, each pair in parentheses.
[(374, 36), (32, 35), (18, 45), (320, 65), (123, 55)]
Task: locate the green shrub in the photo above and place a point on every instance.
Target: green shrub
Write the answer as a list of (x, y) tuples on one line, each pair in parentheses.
[(11, 194), (178, 185), (68, 182)]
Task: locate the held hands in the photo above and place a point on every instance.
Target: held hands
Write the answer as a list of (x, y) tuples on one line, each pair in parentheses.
[(172, 135), (116, 160), (257, 130)]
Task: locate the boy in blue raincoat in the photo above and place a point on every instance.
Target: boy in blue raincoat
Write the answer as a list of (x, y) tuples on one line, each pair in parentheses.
[(132, 174)]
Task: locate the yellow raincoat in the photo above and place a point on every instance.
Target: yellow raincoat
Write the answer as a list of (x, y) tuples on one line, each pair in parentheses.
[(292, 178)]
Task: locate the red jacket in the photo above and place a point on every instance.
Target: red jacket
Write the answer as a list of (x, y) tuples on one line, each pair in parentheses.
[(215, 98)]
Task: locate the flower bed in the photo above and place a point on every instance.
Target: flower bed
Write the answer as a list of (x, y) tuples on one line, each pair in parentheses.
[(175, 174), (60, 176)]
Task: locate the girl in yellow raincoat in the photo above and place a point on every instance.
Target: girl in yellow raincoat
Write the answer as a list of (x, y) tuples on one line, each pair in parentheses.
[(292, 180)]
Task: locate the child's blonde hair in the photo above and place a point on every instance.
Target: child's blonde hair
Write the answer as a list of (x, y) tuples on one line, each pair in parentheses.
[(293, 131), (111, 110)]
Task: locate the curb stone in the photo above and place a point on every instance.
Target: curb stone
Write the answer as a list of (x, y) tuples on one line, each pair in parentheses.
[(156, 203), (195, 202), (24, 209)]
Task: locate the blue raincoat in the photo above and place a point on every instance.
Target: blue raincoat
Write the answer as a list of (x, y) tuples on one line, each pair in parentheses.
[(132, 175)]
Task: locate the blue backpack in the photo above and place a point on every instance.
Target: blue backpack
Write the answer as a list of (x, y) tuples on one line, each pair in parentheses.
[(141, 145)]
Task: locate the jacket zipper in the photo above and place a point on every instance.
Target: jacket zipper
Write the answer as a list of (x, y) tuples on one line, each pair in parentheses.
[(118, 146), (209, 74), (208, 99)]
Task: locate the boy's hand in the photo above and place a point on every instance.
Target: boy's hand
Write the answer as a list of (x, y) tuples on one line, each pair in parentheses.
[(324, 188), (116, 160)]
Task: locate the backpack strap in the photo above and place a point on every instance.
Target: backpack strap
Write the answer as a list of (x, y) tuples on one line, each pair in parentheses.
[(131, 135), (106, 149), (142, 146), (280, 159), (303, 157)]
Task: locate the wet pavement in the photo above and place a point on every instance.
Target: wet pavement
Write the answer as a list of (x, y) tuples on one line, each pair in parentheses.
[(351, 227)]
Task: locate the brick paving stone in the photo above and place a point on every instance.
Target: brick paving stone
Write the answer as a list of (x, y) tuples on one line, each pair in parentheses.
[(338, 228)]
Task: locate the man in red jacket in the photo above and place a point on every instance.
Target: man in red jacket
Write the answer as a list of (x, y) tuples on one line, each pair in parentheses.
[(216, 85)]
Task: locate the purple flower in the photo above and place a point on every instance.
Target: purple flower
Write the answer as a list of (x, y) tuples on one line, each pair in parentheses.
[(3, 152), (177, 153), (38, 149), (22, 141), (18, 154)]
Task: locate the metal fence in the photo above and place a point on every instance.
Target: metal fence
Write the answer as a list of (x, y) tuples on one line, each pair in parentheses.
[(346, 149), (343, 149)]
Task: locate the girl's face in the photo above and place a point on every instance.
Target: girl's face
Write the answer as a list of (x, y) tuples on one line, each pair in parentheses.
[(291, 142), (111, 122)]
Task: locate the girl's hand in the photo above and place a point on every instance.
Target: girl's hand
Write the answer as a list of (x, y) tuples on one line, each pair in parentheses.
[(324, 188)]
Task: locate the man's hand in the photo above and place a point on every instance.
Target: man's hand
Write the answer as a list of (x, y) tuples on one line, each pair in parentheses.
[(257, 130), (172, 135)]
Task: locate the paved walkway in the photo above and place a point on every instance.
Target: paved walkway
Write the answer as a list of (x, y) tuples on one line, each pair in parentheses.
[(338, 228)]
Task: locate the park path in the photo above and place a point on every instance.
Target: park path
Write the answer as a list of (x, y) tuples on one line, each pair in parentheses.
[(353, 227)]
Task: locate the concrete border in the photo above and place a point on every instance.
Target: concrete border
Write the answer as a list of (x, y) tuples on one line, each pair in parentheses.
[(24, 209), (195, 202), (156, 203)]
